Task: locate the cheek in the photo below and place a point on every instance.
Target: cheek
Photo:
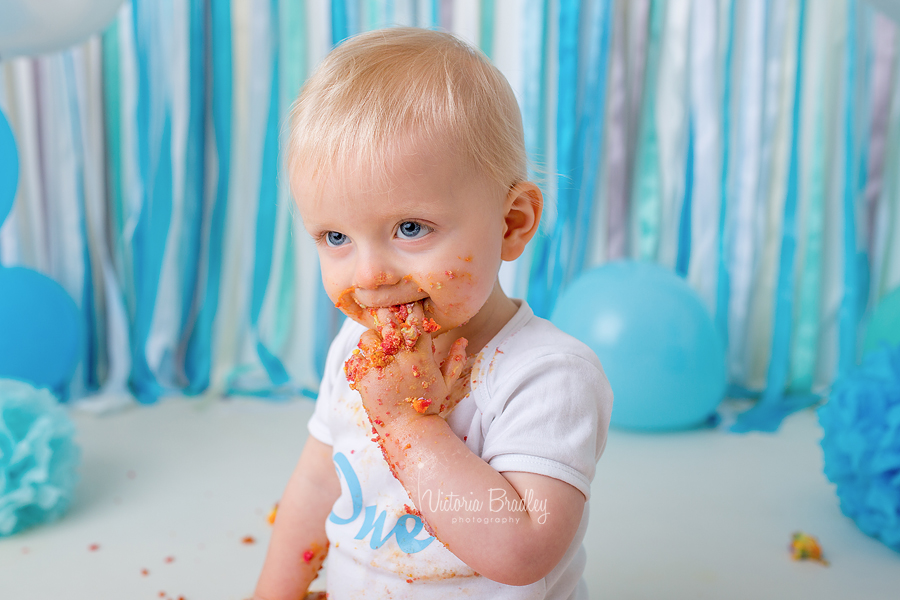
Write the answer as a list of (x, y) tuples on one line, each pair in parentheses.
[(457, 294)]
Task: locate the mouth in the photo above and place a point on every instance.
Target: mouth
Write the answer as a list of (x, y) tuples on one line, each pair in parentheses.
[(354, 307)]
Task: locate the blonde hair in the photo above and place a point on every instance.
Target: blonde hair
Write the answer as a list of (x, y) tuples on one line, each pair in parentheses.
[(383, 87)]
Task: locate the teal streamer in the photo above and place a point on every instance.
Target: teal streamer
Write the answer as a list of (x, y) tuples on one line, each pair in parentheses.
[(683, 260), (292, 36), (151, 230), (198, 358), (486, 24), (723, 283), (647, 186), (848, 316), (293, 59), (292, 67), (372, 19), (266, 212), (806, 336), (112, 120), (771, 410)]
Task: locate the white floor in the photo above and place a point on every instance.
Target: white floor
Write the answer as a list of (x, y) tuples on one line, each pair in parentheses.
[(175, 489)]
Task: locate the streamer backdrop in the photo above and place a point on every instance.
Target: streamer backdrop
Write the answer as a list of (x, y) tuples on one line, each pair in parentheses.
[(753, 146)]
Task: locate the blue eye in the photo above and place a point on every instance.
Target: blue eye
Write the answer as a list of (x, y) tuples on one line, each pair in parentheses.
[(335, 238), (411, 230)]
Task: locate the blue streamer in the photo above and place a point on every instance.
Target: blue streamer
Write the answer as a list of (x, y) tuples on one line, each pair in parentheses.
[(863, 274), (848, 319), (89, 350), (550, 261), (151, 231), (569, 160), (266, 213), (857, 278), (195, 159), (339, 26), (723, 282), (198, 358), (683, 260), (592, 130), (353, 18), (646, 185), (774, 406), (534, 99)]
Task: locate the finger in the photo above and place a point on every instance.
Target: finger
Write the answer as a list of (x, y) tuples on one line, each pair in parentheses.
[(455, 361), (355, 368), (382, 317), (428, 308), (411, 329), (369, 342)]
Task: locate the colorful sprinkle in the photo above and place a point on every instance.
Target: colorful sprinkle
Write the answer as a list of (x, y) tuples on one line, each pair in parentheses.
[(806, 547)]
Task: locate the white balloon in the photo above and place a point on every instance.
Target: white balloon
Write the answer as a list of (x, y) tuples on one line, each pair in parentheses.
[(29, 27)]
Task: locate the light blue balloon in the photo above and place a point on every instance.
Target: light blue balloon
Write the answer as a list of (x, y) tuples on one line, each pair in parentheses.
[(656, 340), (40, 329), (9, 168)]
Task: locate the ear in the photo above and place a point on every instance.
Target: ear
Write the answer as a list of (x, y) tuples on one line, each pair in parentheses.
[(523, 207)]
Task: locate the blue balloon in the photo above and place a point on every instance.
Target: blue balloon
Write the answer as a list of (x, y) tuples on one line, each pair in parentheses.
[(40, 329), (656, 340), (9, 167)]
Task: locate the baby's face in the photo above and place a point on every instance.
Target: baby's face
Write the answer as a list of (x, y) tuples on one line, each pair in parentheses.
[(431, 231)]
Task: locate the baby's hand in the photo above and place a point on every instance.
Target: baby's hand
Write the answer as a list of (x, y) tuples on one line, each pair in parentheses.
[(394, 366)]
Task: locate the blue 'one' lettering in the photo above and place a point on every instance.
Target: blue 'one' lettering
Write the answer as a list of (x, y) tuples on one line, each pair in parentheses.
[(374, 524)]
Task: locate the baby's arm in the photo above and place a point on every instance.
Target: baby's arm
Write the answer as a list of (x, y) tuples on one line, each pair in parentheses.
[(299, 545), (527, 522), (510, 527)]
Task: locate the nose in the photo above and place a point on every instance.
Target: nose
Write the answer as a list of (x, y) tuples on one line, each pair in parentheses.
[(373, 270)]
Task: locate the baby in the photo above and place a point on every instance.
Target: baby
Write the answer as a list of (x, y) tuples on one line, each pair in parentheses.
[(456, 434)]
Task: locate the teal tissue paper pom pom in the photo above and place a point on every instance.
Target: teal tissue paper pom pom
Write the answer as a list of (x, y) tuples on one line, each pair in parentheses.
[(861, 444), (38, 457)]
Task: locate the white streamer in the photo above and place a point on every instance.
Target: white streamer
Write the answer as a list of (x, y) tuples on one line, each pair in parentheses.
[(671, 124), (705, 85)]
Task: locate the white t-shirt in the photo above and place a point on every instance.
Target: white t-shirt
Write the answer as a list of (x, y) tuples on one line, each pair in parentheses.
[(539, 403)]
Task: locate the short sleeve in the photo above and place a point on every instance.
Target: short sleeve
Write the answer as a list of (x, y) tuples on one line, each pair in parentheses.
[(549, 415), (320, 423)]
